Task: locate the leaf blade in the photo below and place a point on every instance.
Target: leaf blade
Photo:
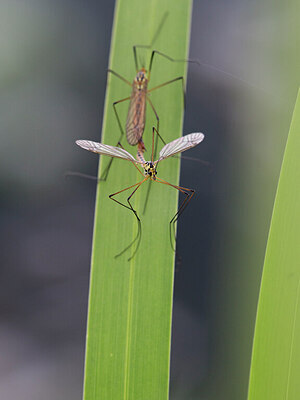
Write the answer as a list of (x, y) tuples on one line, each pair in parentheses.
[(130, 304), (276, 347)]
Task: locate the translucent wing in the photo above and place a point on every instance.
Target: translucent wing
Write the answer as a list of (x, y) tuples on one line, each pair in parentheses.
[(106, 150), (178, 145)]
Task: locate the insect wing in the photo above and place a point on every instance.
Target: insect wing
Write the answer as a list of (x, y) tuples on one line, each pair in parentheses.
[(105, 149), (178, 145)]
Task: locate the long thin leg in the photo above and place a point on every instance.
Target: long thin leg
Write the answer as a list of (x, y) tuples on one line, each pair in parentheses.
[(168, 58), (147, 46), (117, 115), (119, 76), (158, 135), (138, 235), (123, 190), (157, 130), (205, 65), (109, 165), (92, 177), (157, 119), (122, 147), (152, 143), (107, 168), (189, 193), (81, 175), (167, 83), (135, 56), (199, 160), (206, 163)]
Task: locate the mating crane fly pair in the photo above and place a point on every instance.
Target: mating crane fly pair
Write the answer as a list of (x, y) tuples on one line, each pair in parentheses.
[(149, 171), (135, 125)]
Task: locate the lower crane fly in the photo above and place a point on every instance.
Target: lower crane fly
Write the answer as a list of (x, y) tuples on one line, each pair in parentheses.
[(149, 172)]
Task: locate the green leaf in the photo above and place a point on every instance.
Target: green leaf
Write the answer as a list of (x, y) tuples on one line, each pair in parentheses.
[(130, 303), (276, 349)]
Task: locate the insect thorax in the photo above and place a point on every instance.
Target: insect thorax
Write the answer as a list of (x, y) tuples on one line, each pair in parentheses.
[(141, 80), (150, 170)]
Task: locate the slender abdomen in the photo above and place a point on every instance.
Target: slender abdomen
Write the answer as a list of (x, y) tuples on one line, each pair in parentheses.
[(135, 123)]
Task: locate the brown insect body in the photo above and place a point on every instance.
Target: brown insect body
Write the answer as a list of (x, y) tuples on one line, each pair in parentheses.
[(136, 116)]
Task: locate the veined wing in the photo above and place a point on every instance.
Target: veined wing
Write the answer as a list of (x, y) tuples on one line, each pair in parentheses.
[(107, 150), (181, 144)]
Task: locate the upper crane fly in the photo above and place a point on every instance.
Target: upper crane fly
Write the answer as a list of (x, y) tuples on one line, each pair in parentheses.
[(136, 116)]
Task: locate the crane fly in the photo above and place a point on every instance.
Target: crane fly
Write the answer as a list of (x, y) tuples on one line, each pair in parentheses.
[(136, 116), (148, 169)]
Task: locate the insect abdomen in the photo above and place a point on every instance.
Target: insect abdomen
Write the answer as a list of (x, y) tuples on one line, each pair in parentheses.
[(135, 124)]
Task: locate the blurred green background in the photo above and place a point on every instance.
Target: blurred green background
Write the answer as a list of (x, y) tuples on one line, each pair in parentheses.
[(54, 56)]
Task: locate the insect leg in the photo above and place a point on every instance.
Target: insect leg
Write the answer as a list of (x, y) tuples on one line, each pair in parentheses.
[(135, 56), (117, 115), (189, 193), (209, 66), (143, 46), (139, 233), (123, 190), (122, 147), (92, 177), (206, 163), (81, 175), (158, 135), (157, 121), (171, 81), (119, 76), (107, 168), (168, 58)]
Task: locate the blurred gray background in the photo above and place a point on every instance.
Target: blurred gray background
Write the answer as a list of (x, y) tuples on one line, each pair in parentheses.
[(54, 56)]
